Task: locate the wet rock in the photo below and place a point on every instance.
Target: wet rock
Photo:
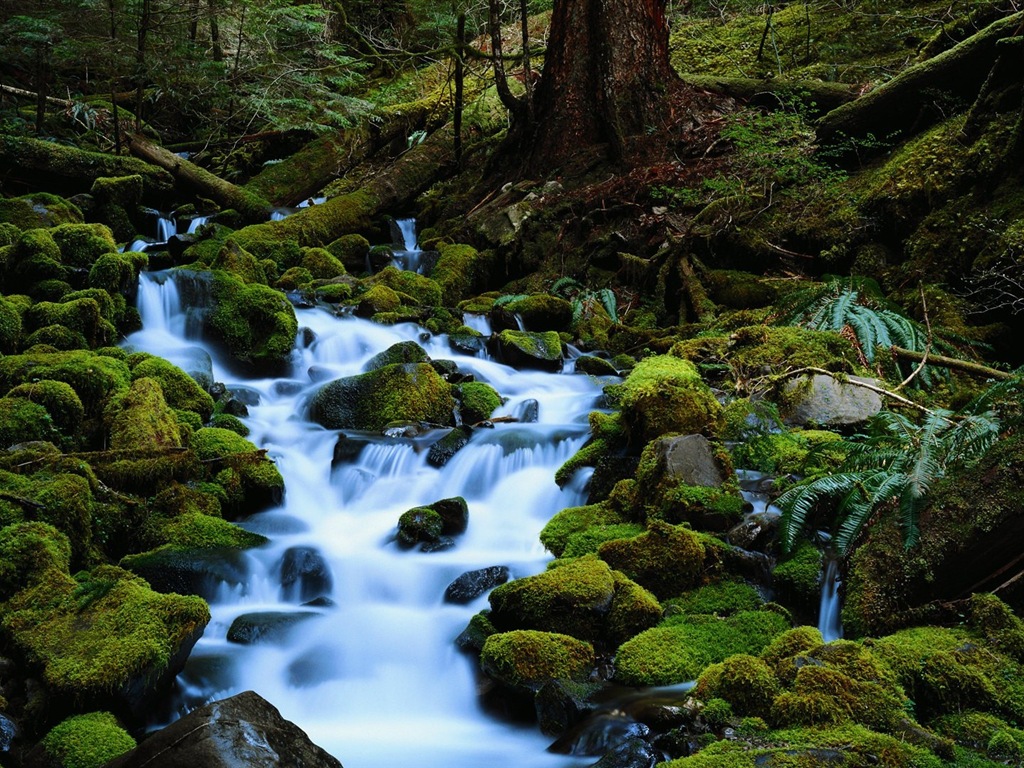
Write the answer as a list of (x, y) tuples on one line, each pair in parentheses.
[(528, 412), (287, 388), (595, 366), (598, 734), (823, 401), (419, 525), (472, 584), (443, 543), (8, 730), (402, 352), (266, 626), (313, 667), (305, 574), (454, 514), (561, 704), (754, 532), (318, 374), (441, 452), (467, 343), (242, 730), (189, 572), (347, 449), (632, 753)]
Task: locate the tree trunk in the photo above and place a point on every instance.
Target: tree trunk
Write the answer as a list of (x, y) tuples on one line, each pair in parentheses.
[(898, 104), (250, 206), (140, 61), (605, 79)]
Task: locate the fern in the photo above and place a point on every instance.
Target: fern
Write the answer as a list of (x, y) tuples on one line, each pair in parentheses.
[(509, 298)]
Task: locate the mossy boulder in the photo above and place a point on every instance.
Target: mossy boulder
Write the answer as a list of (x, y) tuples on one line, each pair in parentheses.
[(681, 647), (378, 299), (23, 421), (745, 681), (193, 531), (370, 401), (28, 550), (115, 196), (351, 251), (526, 659), (527, 349), (93, 377), (575, 520), (538, 312), (60, 401), (140, 419), (720, 598), (250, 480), (462, 271), (10, 327), (33, 259), (666, 559), (104, 638), (38, 210), (664, 395), (117, 272), (419, 525), (180, 390), (83, 316), (322, 264), (422, 290), (82, 244), (402, 352), (87, 741), (477, 401), (255, 324)]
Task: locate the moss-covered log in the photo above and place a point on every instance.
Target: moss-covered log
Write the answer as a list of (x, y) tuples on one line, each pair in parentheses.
[(898, 104), (249, 205), (819, 96), (67, 170)]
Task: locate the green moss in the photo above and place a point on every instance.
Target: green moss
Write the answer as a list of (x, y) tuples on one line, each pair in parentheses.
[(58, 337), (721, 598), (28, 550), (196, 530), (10, 326), (140, 419), (255, 323), (572, 520), (542, 312), (322, 264), (96, 635), (92, 376), (293, 279), (792, 643), (590, 540), (744, 681), (180, 389), (680, 648), (378, 299), (826, 696), (798, 577), (23, 421), (35, 257), (227, 421), (526, 348), (351, 251), (666, 559), (60, 401), (83, 316), (419, 524), (477, 401), (250, 480), (664, 395), (527, 658), (87, 741), (410, 392), (633, 610), (117, 272), (81, 244), (241, 264), (333, 293), (38, 210), (461, 271), (423, 290)]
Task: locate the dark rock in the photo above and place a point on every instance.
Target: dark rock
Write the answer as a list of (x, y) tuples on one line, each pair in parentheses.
[(441, 452), (266, 626), (528, 412), (754, 532), (245, 396), (595, 366), (472, 584), (454, 514), (446, 368), (287, 388), (443, 543), (467, 343), (561, 704), (380, 256), (632, 753), (305, 575), (347, 449), (190, 571), (313, 667), (418, 525), (8, 730), (244, 730), (598, 734), (525, 349), (318, 374)]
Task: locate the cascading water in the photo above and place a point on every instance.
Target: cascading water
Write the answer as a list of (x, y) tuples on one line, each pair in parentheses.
[(829, 621), (407, 253), (371, 672)]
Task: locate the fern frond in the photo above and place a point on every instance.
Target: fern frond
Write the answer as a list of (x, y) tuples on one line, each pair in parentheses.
[(509, 298), (565, 284), (609, 302), (799, 502)]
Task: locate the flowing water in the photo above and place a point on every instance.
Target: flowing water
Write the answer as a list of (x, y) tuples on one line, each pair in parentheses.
[(371, 673), (829, 621)]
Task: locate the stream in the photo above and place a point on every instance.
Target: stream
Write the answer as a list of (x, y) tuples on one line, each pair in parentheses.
[(369, 668)]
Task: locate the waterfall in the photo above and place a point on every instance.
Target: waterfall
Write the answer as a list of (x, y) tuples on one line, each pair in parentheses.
[(407, 253), (370, 670), (829, 621), (196, 223), (166, 227)]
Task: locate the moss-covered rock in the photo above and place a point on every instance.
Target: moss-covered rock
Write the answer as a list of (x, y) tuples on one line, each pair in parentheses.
[(93, 377), (81, 244), (410, 392), (477, 401), (87, 741), (28, 550), (34, 258), (378, 299), (351, 251), (526, 659), (721, 598), (745, 681), (198, 531), (797, 578), (423, 290), (575, 520), (10, 327), (402, 352), (38, 210), (538, 312), (462, 271), (527, 349), (664, 395), (60, 401), (23, 421), (419, 525), (83, 316), (180, 390), (666, 559), (251, 480), (140, 419), (255, 323), (104, 638), (117, 272), (680, 648)]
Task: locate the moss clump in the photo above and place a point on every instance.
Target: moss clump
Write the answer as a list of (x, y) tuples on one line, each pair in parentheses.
[(744, 681), (96, 635), (461, 271), (663, 395), (419, 525), (92, 376), (38, 210), (333, 293), (87, 741), (196, 530), (666, 559), (180, 390), (402, 352), (721, 598), (825, 696), (792, 643), (255, 323), (633, 610), (322, 264), (60, 401), (117, 272), (81, 244), (28, 550), (410, 392), (422, 290), (141, 420), (249, 479), (23, 421), (574, 520), (82, 316), (527, 658), (227, 421), (293, 279), (351, 251), (477, 401), (798, 577), (590, 540), (526, 349), (541, 312), (680, 648), (378, 299), (10, 326)]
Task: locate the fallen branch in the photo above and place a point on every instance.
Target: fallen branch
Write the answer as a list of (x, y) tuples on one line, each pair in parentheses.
[(976, 369)]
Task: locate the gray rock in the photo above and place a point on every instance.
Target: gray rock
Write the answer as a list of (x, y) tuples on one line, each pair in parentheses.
[(244, 730), (821, 400), (305, 574), (690, 459), (441, 452), (266, 626), (472, 584)]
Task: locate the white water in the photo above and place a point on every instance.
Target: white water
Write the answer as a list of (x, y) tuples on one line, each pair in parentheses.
[(409, 256), (376, 679), (829, 621)]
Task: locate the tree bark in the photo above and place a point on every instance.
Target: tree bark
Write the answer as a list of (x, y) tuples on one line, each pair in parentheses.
[(898, 104), (605, 78), (251, 206)]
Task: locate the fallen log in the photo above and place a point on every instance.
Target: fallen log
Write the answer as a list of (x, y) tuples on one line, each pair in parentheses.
[(252, 207), (67, 170), (975, 369), (819, 96), (897, 105)]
